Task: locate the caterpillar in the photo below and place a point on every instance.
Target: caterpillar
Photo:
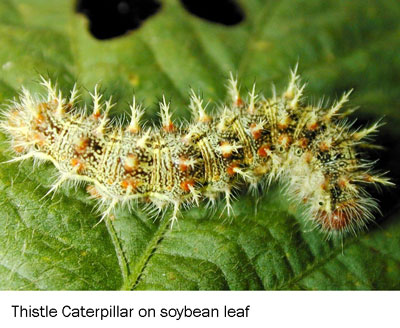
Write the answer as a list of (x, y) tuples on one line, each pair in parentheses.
[(250, 141)]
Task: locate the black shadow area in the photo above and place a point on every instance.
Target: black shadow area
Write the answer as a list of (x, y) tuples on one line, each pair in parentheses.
[(113, 18)]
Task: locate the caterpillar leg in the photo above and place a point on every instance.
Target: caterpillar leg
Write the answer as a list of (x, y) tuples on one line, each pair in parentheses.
[(107, 212)]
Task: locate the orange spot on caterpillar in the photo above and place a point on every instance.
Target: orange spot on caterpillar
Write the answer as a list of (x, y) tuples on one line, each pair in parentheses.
[(39, 119), (77, 164), (39, 138), (183, 164), (205, 119), (326, 183), (231, 169), (133, 129), (226, 149), (186, 184), (264, 150), (308, 157), (343, 182), (129, 183), (131, 162), (255, 131), (19, 149), (303, 142), (96, 115), (312, 126), (282, 126), (284, 140), (239, 102), (81, 145), (169, 128), (324, 146)]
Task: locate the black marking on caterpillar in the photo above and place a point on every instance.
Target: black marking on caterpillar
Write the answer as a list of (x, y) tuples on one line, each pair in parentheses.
[(251, 141)]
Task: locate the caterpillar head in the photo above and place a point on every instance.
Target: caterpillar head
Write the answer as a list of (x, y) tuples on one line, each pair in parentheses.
[(342, 204), (347, 214)]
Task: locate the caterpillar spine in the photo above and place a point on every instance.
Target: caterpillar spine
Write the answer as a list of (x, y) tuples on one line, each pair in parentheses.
[(251, 141)]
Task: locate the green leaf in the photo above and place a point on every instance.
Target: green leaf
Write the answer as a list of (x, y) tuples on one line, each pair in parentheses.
[(53, 243)]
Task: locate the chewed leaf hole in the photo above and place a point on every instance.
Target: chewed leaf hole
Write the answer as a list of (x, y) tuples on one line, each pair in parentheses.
[(113, 18), (109, 19), (226, 12)]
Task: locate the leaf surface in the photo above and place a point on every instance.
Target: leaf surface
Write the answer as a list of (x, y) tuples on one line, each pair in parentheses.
[(52, 243)]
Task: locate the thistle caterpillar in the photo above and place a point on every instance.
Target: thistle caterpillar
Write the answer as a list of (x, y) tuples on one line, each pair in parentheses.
[(251, 141)]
